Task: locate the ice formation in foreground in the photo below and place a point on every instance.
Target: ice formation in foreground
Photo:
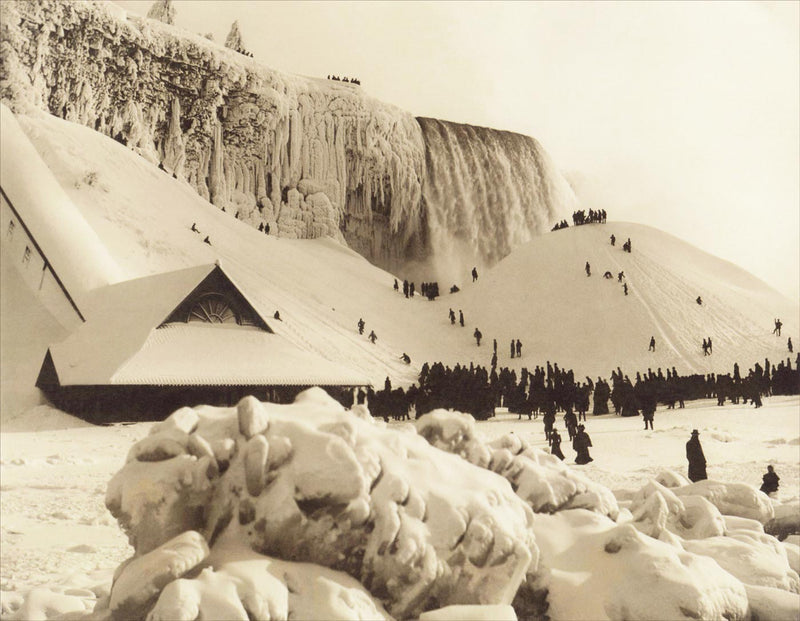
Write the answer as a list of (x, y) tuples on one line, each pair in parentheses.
[(311, 483), (312, 511)]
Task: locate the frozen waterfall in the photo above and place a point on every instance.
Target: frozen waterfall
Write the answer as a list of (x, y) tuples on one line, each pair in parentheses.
[(485, 191)]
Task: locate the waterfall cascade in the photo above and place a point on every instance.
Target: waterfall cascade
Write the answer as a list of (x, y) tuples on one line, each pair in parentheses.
[(486, 191), (310, 157)]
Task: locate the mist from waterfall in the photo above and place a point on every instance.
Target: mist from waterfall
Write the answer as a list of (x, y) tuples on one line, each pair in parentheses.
[(485, 191)]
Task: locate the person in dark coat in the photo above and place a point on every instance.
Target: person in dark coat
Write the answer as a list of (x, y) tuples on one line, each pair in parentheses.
[(789, 345), (613, 239), (461, 318), (474, 274), (581, 444), (770, 481), (372, 336), (588, 269), (699, 301), (396, 285), (361, 325), (649, 411), (477, 334), (452, 317), (207, 241), (555, 445), (697, 460), (571, 423), (519, 348), (652, 344), (549, 420), (513, 348)]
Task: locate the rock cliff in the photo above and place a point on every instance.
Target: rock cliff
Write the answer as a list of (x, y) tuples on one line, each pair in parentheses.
[(310, 157)]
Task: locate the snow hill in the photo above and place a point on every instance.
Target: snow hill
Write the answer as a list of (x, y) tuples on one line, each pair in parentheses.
[(539, 294)]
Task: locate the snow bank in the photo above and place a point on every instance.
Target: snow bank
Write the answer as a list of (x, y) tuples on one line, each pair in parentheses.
[(310, 482), (732, 499), (542, 480), (603, 570)]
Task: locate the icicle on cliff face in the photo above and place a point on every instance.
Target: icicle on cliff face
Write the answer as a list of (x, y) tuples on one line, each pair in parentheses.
[(308, 157), (485, 192)]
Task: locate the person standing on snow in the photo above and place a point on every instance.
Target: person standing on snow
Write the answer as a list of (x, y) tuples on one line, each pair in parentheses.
[(581, 445), (697, 460), (474, 274), (588, 269), (477, 334), (372, 336), (770, 481), (460, 317), (555, 444), (652, 344)]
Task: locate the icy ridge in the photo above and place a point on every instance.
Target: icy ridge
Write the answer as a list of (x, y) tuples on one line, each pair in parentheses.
[(309, 157)]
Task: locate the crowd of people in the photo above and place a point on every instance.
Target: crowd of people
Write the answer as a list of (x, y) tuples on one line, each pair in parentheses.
[(336, 78), (430, 290), (594, 217), (547, 390)]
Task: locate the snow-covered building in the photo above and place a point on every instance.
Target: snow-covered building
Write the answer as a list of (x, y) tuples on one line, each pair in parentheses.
[(191, 336)]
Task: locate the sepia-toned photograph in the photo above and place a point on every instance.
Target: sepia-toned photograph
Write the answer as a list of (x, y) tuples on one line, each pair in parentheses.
[(424, 311)]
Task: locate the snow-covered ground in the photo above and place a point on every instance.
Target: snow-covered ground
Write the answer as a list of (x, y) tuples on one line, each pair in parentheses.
[(56, 532), (538, 294)]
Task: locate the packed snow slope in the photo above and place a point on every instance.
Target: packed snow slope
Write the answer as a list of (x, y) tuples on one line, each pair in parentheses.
[(310, 157), (540, 294)]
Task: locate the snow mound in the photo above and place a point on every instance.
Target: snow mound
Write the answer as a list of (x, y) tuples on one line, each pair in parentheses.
[(603, 570), (732, 499), (241, 584), (657, 509), (786, 521), (542, 480), (755, 559), (310, 482)]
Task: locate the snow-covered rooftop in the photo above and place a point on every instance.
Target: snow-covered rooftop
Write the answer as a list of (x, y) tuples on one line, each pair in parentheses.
[(122, 342), (217, 354)]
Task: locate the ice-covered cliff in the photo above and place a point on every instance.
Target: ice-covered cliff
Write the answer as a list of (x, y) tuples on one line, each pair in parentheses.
[(486, 192), (310, 157)]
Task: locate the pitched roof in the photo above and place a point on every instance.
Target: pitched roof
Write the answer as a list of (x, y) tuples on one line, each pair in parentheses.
[(121, 342), (222, 355)]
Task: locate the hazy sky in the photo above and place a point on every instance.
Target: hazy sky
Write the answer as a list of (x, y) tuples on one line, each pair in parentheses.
[(683, 116)]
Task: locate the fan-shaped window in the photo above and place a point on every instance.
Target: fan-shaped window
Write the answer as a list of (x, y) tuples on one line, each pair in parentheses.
[(213, 308)]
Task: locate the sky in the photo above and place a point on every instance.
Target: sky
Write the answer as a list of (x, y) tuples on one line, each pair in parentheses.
[(682, 116)]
